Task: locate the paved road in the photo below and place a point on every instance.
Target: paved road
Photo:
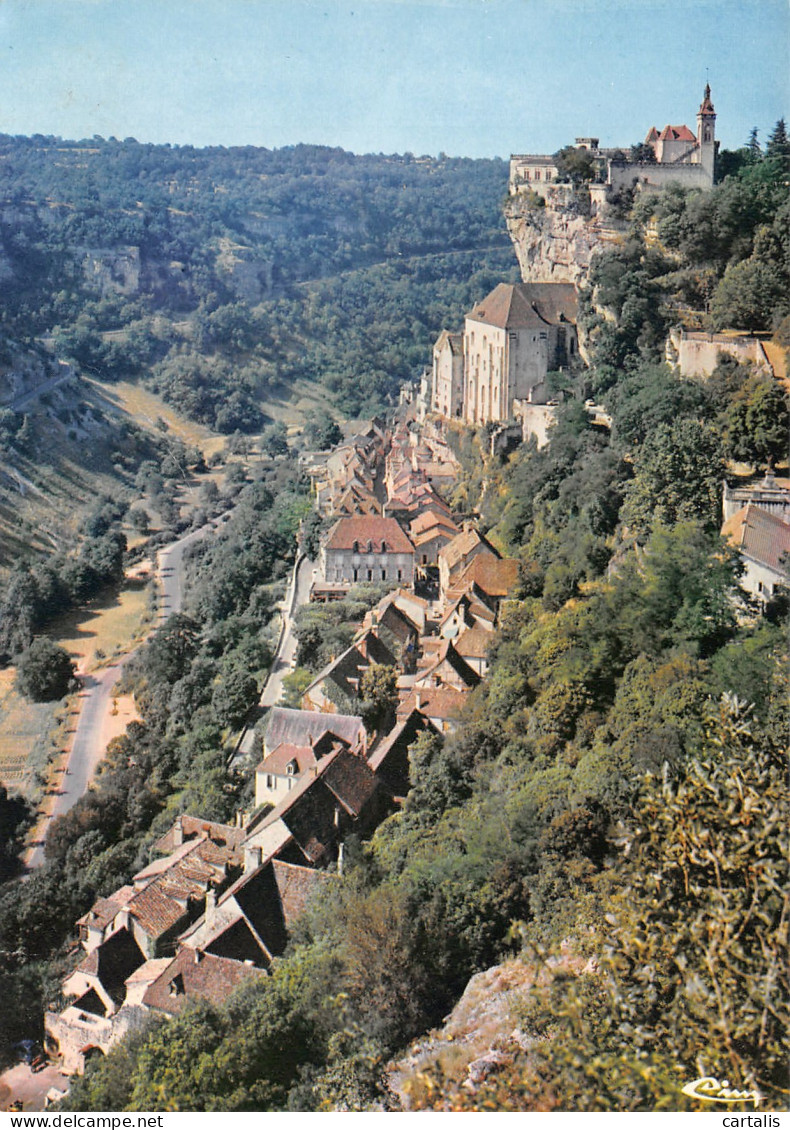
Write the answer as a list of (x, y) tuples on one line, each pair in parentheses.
[(26, 398), (282, 665), (286, 653), (96, 695)]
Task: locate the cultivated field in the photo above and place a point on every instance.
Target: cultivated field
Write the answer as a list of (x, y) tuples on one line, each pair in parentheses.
[(23, 726), (106, 626)]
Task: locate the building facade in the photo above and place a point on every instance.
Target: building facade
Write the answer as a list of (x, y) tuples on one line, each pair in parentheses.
[(367, 550), (512, 339)]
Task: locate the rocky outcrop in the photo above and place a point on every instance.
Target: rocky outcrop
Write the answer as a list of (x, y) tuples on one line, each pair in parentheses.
[(113, 271), (244, 271), (482, 1032), (556, 242)]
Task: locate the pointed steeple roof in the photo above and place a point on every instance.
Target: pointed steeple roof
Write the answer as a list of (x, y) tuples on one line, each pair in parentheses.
[(707, 106)]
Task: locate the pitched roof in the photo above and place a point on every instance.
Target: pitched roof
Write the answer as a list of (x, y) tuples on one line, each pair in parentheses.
[(446, 653), (427, 521), (295, 884), (194, 976), (462, 545), (112, 962), (527, 305), (190, 827), (304, 727), (442, 703), (676, 133), (308, 809), (474, 643), (379, 532), (347, 670), (495, 576), (104, 910), (280, 758), (454, 340), (390, 760), (761, 536)]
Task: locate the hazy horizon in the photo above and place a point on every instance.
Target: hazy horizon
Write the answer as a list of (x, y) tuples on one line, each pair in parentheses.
[(468, 78)]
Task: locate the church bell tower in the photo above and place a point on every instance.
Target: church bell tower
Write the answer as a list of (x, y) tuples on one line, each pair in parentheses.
[(706, 133)]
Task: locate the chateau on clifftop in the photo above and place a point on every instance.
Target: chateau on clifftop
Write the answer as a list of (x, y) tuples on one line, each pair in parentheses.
[(678, 156)]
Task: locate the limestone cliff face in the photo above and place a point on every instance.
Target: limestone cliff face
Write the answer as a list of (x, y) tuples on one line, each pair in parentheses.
[(482, 1032), (246, 272), (557, 242), (112, 271)]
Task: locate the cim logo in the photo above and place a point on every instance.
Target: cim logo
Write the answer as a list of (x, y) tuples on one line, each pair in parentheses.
[(710, 1090)]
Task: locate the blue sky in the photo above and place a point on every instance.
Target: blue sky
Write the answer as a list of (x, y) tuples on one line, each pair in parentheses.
[(467, 77)]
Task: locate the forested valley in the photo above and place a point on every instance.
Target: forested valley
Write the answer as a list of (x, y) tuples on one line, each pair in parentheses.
[(618, 787)]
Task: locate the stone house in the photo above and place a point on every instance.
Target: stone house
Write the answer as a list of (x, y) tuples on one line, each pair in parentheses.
[(390, 760), (457, 554), (769, 494), (447, 387), (340, 794), (442, 706), (340, 681)]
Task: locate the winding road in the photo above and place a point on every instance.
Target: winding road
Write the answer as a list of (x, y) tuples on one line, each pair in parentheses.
[(96, 695)]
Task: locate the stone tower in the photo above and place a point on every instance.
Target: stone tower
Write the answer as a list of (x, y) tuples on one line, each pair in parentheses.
[(706, 133)]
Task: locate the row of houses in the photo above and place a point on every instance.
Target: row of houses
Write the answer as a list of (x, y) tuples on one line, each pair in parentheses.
[(347, 479), (217, 903)]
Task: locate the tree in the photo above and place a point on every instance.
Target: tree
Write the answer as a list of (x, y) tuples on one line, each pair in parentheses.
[(233, 696), (677, 476), (15, 818), (44, 671), (379, 693), (321, 431), (575, 164), (747, 297), (692, 976), (757, 422), (274, 440)]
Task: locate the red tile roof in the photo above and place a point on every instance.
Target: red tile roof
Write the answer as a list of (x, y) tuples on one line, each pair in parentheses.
[(192, 976), (380, 532), (677, 133), (760, 535), (280, 758), (434, 702), (496, 576)]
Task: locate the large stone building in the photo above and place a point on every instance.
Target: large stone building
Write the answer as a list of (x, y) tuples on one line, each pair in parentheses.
[(680, 156), (511, 340), (372, 550)]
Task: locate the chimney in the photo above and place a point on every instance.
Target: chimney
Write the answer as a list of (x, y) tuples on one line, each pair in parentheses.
[(340, 859), (178, 833), (198, 957), (252, 858), (211, 905), (418, 699)]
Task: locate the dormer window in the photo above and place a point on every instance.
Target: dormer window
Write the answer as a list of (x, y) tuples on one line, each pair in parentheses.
[(355, 546), (370, 546), (291, 768), (176, 986)]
